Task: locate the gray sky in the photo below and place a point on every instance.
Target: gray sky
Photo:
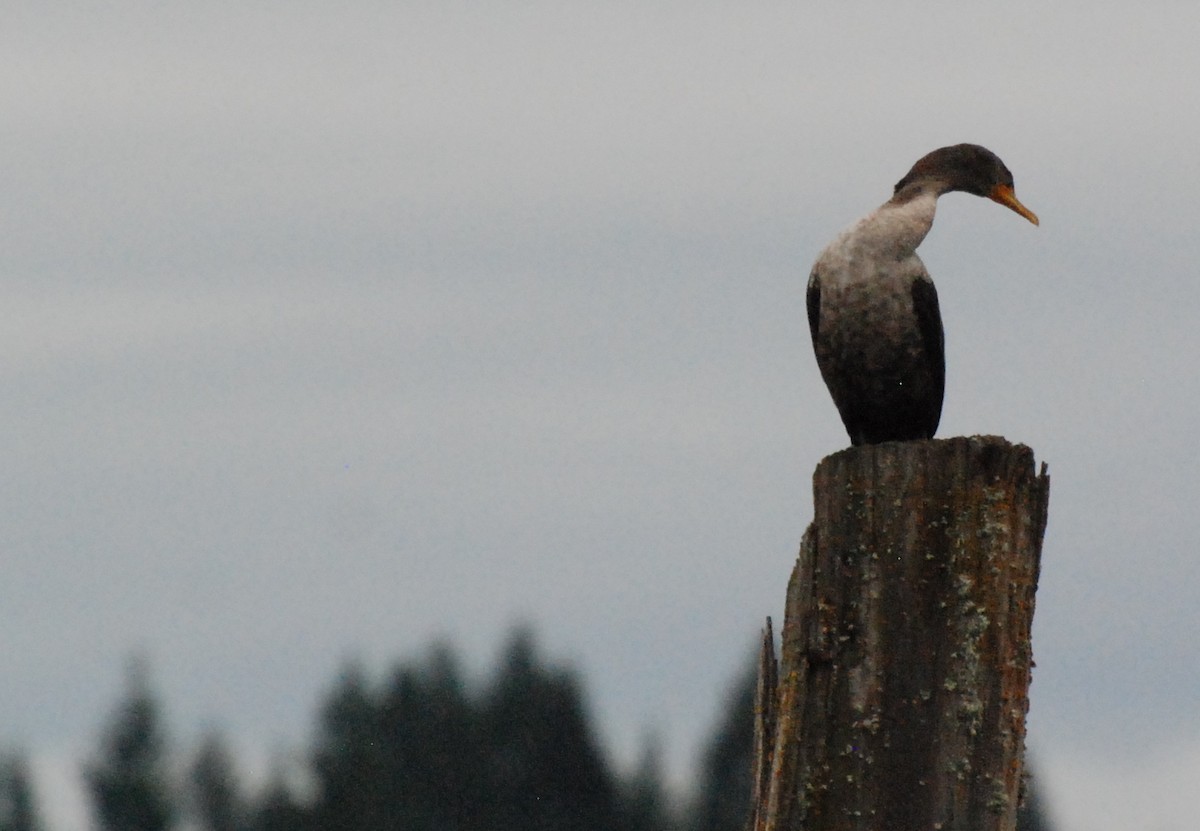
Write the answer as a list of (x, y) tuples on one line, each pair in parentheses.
[(331, 329)]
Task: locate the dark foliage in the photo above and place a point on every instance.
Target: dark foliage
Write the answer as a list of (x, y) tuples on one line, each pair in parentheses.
[(214, 788), (421, 751), (422, 754), (128, 780), (280, 810), (643, 802), (1031, 816), (17, 809), (723, 801), (544, 769)]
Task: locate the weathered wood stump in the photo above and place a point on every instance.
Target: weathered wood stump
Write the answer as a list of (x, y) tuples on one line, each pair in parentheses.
[(899, 702)]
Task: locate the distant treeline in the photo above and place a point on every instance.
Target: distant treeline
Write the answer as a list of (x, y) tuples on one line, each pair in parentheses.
[(419, 751)]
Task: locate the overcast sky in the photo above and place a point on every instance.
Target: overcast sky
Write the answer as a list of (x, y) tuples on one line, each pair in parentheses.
[(332, 329)]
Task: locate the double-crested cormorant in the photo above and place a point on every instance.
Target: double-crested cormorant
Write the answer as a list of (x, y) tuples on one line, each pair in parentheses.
[(873, 311)]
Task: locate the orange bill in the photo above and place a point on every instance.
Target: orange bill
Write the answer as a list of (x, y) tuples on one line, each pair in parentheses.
[(1005, 196)]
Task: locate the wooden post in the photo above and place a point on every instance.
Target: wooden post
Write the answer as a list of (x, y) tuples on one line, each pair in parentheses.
[(900, 699)]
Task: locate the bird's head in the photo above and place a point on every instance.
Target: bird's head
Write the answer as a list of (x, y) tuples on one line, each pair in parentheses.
[(969, 168)]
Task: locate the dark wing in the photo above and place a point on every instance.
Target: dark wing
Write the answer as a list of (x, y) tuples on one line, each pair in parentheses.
[(929, 323), (814, 306)]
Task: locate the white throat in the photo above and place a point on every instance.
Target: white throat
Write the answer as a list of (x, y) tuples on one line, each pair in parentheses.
[(888, 235), (897, 228)]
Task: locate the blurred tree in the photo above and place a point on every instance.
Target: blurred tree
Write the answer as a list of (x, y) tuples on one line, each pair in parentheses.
[(18, 810), (128, 780), (1031, 816), (545, 771), (423, 755), (434, 761), (723, 801), (644, 803), (279, 810), (215, 798), (349, 760)]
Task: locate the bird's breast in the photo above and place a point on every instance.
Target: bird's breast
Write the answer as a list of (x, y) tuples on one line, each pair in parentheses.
[(869, 317)]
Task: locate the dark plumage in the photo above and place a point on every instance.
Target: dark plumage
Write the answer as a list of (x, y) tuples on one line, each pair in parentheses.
[(873, 311)]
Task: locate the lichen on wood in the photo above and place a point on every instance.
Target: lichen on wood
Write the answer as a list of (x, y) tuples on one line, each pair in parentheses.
[(900, 696)]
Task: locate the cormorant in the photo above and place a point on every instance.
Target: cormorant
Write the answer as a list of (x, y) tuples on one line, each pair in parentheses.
[(873, 311)]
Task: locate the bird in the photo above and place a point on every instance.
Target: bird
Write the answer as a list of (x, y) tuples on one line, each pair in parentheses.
[(873, 309)]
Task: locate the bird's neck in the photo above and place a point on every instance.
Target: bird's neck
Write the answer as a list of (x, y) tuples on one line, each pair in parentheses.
[(901, 222)]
